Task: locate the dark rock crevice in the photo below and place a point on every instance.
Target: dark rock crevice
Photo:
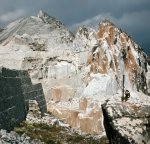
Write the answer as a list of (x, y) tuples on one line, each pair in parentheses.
[(112, 134)]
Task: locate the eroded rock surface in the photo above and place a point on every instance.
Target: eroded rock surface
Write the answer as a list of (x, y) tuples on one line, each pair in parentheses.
[(126, 123)]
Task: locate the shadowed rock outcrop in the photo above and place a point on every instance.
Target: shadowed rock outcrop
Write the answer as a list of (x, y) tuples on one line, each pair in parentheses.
[(16, 89), (126, 123)]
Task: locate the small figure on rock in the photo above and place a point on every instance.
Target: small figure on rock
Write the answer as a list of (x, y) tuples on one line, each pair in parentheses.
[(127, 95)]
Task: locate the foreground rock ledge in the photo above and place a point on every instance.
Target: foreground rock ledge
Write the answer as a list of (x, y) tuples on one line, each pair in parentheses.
[(126, 123)]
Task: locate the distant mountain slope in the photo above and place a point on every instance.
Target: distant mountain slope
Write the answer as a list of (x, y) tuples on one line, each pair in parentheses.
[(42, 24)]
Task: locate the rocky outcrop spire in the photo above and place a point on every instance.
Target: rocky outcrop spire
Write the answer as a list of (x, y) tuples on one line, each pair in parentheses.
[(47, 18), (105, 21)]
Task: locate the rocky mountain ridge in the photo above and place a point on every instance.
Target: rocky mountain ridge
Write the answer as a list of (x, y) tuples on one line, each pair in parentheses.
[(78, 73)]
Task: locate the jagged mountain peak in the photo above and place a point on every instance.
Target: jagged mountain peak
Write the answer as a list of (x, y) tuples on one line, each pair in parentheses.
[(105, 21), (85, 30), (105, 24), (47, 18), (43, 24), (113, 51), (107, 51), (42, 14)]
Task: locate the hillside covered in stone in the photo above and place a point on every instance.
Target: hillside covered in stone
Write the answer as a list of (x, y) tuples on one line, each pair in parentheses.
[(78, 72)]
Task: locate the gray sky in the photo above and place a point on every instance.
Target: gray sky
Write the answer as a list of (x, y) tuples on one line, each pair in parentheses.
[(132, 16)]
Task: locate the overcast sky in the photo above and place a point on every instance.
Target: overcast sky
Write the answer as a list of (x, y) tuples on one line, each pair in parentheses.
[(132, 16)]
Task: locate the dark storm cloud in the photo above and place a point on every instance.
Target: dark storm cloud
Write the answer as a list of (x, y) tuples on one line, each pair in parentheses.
[(131, 16)]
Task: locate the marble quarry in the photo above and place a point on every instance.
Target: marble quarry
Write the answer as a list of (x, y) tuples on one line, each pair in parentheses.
[(78, 73)]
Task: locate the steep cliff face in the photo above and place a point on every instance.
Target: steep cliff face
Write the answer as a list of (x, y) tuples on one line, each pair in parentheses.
[(103, 58), (126, 57), (112, 53)]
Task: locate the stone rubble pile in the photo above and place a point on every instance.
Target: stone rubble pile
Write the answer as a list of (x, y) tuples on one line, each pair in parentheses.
[(14, 138), (34, 116)]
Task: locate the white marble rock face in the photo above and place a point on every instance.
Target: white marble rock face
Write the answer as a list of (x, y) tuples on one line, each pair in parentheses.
[(89, 65)]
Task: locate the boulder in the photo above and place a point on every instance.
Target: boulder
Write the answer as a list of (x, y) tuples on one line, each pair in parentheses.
[(126, 123)]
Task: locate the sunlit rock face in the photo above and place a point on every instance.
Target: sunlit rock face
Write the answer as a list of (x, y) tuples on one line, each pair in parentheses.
[(73, 69), (112, 53), (43, 46), (34, 42), (103, 58)]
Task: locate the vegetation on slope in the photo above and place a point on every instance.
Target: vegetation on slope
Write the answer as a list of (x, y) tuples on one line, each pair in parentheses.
[(55, 134)]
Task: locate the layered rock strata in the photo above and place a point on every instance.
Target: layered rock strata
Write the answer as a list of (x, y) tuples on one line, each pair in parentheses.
[(83, 115)]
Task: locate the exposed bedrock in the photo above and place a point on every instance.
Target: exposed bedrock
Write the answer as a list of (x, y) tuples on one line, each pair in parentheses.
[(126, 123), (59, 60), (81, 114)]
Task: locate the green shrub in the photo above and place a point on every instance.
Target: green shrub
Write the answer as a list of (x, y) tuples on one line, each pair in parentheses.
[(19, 130), (58, 142), (54, 134), (78, 138), (50, 141), (104, 140), (70, 139)]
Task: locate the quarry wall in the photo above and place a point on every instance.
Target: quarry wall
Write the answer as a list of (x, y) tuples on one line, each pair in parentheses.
[(16, 89)]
